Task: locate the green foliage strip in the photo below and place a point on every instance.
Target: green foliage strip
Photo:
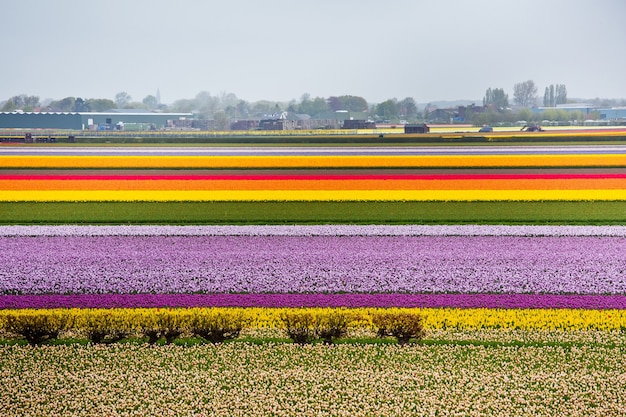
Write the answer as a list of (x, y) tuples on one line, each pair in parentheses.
[(331, 212)]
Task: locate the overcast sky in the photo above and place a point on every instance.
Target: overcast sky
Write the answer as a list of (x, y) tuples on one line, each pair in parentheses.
[(278, 49)]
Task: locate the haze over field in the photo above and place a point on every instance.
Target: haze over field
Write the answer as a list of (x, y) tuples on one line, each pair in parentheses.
[(279, 50)]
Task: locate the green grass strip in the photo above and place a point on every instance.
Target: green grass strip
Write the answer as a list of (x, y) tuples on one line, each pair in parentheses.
[(333, 212)]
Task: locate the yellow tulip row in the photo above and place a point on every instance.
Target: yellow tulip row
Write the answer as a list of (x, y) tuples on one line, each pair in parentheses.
[(313, 195), (313, 161), (358, 318)]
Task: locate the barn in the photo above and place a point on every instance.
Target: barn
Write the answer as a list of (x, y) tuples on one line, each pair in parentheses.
[(123, 119)]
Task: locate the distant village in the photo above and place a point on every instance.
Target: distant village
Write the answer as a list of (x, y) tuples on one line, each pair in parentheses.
[(229, 113)]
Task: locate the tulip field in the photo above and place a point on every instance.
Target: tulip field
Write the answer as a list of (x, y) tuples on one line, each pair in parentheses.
[(512, 257)]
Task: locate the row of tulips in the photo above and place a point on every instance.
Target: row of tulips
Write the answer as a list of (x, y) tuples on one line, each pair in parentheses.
[(126, 321), (389, 187), (593, 265), (381, 300), (50, 194), (314, 161), (315, 230), (516, 301)]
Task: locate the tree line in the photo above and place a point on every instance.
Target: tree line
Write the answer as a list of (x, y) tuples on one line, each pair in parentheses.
[(496, 108), (525, 95), (227, 106)]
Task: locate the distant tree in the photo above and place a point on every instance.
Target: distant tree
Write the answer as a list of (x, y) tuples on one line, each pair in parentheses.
[(231, 112), (314, 108), (525, 94), (206, 104), (243, 109), (555, 95), (525, 114), (81, 105), (227, 99), (561, 94), (334, 103), (350, 103), (548, 96), (407, 108), (496, 98), (150, 102), (21, 102), (387, 110), (122, 99), (9, 105), (354, 103), (319, 106), (430, 107), (222, 121), (292, 106), (136, 105), (100, 104), (31, 101), (262, 108), (65, 104), (604, 102)]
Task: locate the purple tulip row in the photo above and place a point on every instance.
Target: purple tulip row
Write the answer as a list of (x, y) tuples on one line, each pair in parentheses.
[(316, 230), (312, 264), (315, 300)]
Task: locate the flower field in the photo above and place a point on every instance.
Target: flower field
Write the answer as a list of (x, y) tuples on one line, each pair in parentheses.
[(288, 380), (307, 263), (523, 317), (314, 161), (529, 187)]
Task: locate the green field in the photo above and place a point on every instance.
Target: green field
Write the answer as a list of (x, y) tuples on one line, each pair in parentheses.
[(353, 212)]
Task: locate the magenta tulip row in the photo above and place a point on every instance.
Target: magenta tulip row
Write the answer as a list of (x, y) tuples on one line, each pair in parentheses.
[(534, 301)]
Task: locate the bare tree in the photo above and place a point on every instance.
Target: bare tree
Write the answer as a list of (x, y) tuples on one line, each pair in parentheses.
[(525, 94), (122, 99)]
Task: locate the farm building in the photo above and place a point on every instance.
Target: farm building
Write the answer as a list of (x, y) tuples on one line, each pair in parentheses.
[(87, 120), (416, 128), (614, 113), (293, 121)]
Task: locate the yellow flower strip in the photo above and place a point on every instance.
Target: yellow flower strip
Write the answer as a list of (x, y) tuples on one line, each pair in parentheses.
[(313, 195), (313, 184), (335, 161), (434, 318)]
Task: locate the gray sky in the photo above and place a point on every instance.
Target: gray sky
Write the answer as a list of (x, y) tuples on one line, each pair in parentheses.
[(278, 49)]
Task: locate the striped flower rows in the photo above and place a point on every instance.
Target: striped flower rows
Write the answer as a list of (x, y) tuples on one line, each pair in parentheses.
[(314, 266), (521, 320), (307, 187), (566, 267), (313, 161)]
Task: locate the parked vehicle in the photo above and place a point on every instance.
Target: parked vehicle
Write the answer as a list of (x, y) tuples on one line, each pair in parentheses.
[(532, 127)]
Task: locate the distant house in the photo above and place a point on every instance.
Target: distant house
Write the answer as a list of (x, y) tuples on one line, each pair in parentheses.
[(248, 124), (416, 128), (358, 124), (278, 122), (442, 115), (464, 112), (295, 121)]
